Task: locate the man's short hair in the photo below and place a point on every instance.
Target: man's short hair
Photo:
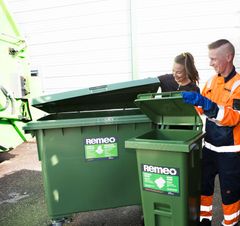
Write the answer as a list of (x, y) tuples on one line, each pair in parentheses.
[(221, 42)]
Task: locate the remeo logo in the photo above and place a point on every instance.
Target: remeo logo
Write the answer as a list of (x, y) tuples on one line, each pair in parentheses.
[(101, 140), (159, 170)]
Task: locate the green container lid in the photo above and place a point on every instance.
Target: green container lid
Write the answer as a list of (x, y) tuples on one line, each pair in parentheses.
[(112, 96), (168, 109)]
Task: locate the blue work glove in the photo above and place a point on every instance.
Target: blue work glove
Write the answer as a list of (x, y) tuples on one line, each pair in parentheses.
[(197, 99), (210, 108)]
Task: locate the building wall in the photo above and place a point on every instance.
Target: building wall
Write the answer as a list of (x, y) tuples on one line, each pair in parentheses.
[(76, 44), (165, 29)]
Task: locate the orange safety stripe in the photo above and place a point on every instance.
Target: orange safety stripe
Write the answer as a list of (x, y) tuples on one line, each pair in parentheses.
[(231, 213), (206, 200), (231, 117), (206, 207), (199, 110), (221, 92), (223, 95), (230, 223), (205, 215)]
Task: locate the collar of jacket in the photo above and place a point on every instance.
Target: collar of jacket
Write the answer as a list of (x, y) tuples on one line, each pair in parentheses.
[(231, 75)]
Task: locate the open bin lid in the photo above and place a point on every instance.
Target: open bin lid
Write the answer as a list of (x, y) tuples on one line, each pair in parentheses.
[(112, 96), (168, 109)]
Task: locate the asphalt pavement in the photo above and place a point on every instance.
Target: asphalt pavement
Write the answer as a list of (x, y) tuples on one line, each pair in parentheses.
[(22, 201)]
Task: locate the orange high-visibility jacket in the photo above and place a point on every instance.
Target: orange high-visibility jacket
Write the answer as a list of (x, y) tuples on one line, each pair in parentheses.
[(223, 131)]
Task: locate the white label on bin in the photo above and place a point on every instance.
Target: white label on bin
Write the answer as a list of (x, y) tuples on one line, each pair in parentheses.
[(101, 148), (161, 179)]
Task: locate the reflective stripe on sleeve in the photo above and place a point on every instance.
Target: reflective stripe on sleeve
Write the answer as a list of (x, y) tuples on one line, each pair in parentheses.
[(220, 114), (209, 83), (235, 86)]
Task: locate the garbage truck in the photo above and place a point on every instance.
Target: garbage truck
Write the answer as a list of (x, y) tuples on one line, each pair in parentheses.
[(14, 82)]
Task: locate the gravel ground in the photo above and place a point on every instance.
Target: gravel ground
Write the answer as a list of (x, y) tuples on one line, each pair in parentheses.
[(22, 200)]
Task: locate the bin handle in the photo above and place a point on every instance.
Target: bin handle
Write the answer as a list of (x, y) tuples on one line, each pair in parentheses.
[(160, 95), (98, 88), (193, 147)]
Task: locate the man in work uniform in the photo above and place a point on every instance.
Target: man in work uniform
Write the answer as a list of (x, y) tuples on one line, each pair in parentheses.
[(220, 102)]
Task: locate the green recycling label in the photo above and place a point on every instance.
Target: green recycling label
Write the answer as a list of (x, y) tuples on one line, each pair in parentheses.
[(161, 179), (101, 148)]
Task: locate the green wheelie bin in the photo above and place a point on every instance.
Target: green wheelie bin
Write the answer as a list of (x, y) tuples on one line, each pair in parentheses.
[(85, 165), (168, 160)]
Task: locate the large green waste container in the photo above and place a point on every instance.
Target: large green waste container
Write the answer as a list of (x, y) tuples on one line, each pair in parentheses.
[(85, 165), (169, 161)]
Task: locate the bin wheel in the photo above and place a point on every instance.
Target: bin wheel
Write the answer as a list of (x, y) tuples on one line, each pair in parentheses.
[(57, 223), (61, 222)]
